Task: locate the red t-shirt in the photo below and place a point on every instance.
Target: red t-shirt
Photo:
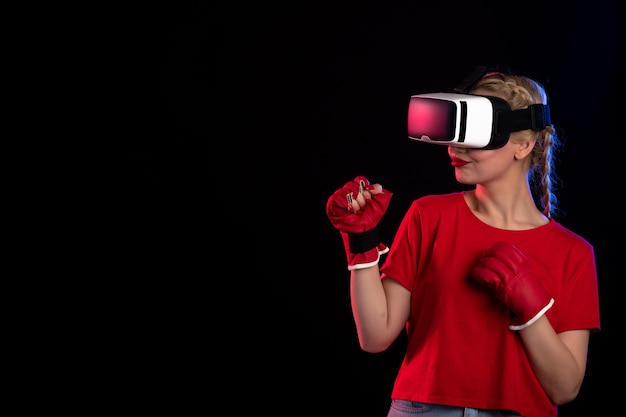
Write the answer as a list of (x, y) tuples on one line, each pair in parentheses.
[(460, 350)]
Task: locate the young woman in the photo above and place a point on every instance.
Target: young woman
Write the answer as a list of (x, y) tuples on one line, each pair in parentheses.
[(497, 298)]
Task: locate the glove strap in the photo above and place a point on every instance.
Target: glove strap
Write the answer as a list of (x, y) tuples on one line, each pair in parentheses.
[(362, 242), (515, 326)]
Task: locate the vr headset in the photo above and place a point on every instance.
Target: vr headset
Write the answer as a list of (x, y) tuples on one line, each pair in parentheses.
[(469, 120)]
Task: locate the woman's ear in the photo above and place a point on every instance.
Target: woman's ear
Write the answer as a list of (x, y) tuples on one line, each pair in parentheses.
[(524, 149)]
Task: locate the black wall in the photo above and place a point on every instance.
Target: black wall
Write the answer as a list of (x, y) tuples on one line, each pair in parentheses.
[(248, 117)]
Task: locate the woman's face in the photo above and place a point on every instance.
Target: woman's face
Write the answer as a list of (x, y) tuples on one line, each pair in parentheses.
[(480, 166)]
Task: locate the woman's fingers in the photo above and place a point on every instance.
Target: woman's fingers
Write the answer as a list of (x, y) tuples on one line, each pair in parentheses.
[(366, 192)]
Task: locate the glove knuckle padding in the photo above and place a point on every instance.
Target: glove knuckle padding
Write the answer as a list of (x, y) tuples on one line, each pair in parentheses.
[(338, 212), (507, 270), (358, 229), (483, 273)]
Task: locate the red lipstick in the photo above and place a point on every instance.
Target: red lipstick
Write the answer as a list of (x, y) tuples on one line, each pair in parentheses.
[(456, 162)]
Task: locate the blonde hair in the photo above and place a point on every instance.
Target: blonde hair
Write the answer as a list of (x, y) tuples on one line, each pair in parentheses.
[(520, 92)]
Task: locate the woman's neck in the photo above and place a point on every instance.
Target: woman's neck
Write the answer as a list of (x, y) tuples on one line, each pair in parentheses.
[(509, 209)]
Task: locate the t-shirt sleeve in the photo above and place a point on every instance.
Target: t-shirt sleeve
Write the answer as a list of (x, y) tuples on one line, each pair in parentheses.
[(402, 259), (580, 299)]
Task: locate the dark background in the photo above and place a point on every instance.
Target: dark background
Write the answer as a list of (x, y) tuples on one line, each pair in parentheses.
[(246, 118)]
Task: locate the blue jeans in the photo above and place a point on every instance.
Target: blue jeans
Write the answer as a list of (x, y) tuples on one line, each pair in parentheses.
[(403, 408)]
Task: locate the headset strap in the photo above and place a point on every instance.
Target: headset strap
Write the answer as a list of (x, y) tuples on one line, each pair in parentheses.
[(535, 117)]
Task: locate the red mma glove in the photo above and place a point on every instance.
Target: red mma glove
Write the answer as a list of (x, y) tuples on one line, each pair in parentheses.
[(359, 229), (505, 269)]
